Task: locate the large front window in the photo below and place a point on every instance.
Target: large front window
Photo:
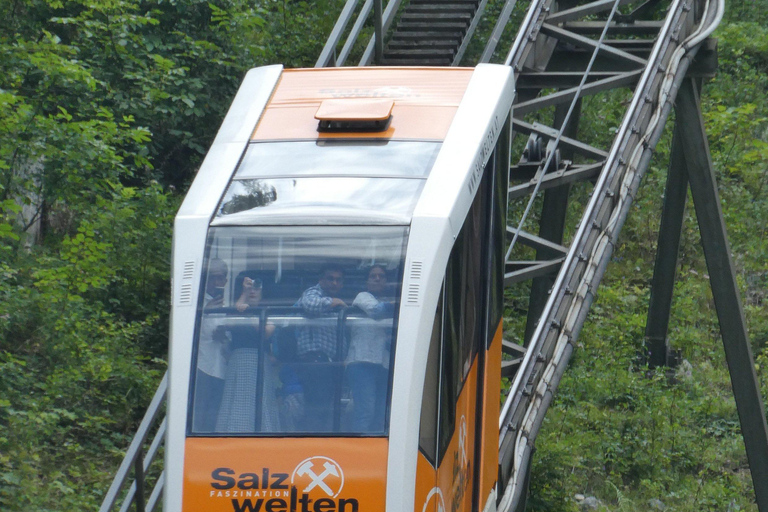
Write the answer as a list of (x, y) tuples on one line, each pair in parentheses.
[(296, 330)]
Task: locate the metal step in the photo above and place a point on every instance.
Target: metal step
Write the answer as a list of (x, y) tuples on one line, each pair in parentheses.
[(467, 7), (432, 44), (415, 3), (436, 17), (417, 62), (432, 27), (428, 36), (416, 53)]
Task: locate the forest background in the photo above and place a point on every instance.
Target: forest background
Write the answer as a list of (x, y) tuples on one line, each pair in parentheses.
[(106, 110)]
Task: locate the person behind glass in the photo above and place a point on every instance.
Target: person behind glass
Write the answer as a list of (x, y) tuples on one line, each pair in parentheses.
[(317, 347), (212, 351), (369, 354), (239, 402)]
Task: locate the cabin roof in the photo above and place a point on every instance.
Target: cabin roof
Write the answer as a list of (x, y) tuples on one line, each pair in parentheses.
[(425, 101)]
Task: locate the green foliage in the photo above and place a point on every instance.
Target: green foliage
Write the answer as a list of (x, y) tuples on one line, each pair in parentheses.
[(298, 29), (79, 330)]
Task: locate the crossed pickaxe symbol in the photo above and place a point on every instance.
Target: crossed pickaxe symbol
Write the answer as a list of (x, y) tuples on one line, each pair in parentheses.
[(317, 480), (463, 440)]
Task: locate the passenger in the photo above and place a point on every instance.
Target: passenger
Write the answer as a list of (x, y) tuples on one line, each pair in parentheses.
[(239, 401), (212, 351), (369, 354), (318, 351)]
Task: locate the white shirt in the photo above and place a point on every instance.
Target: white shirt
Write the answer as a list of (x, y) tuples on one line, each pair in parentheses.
[(371, 341), (211, 353)]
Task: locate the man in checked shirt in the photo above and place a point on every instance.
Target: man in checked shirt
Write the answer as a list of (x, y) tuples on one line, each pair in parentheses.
[(318, 348)]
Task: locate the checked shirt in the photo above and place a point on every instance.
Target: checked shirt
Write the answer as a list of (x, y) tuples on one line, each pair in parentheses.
[(315, 303)]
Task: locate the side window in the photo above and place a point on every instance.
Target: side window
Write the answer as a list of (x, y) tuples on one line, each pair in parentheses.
[(498, 170), (429, 401), (451, 374), (464, 309)]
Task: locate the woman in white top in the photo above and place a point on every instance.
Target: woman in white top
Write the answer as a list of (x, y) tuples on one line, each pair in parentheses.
[(369, 354)]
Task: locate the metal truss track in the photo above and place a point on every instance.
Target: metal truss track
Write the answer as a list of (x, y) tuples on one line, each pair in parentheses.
[(559, 60)]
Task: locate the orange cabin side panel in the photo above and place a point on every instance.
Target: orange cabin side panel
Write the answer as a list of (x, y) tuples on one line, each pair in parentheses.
[(489, 458), (284, 475), (456, 470), (428, 498)]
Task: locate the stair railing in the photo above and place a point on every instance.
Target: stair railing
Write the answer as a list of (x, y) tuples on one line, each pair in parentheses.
[(136, 458)]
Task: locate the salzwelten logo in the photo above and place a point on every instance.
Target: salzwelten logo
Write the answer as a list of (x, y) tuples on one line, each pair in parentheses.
[(319, 472), (315, 485), (463, 441)]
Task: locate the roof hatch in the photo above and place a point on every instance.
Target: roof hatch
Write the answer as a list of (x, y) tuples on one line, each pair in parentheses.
[(354, 115)]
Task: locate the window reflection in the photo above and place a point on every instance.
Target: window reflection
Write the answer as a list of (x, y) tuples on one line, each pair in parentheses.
[(247, 194), (384, 196), (338, 157), (296, 330)]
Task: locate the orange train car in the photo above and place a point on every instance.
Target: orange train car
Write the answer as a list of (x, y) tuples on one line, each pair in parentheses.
[(337, 296)]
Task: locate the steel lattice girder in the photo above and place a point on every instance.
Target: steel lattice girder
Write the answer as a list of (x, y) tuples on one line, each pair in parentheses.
[(539, 50)]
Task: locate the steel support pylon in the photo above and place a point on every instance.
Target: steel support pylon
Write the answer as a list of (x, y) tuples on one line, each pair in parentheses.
[(667, 250), (691, 152)]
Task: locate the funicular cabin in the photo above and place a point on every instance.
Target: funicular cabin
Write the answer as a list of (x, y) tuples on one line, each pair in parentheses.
[(337, 296)]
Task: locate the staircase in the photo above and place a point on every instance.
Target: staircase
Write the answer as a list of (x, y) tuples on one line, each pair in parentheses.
[(431, 33)]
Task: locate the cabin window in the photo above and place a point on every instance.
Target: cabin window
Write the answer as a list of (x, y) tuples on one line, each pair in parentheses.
[(296, 330)]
